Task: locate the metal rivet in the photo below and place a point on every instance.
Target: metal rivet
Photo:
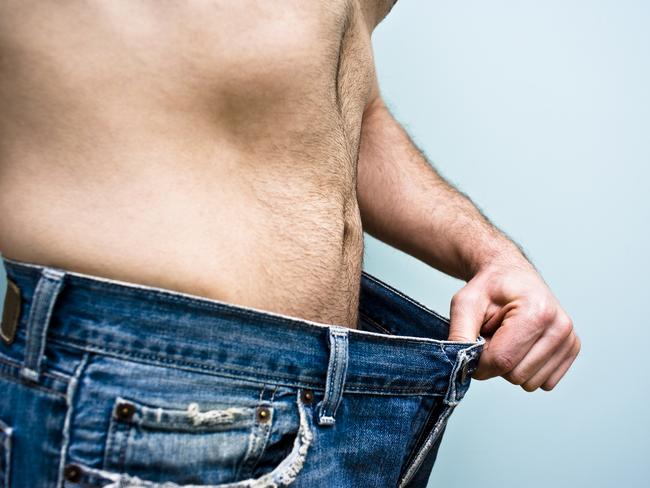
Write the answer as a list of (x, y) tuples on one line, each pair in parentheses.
[(72, 473), (124, 411), (307, 396), (263, 414)]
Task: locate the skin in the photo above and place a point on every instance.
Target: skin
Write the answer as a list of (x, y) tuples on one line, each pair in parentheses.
[(238, 151)]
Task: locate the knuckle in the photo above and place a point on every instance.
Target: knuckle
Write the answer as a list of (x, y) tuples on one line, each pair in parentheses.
[(545, 312), (504, 362), (456, 301), (574, 347), (564, 328), (529, 387), (548, 386), (516, 378), (463, 298), (480, 376), (578, 346)]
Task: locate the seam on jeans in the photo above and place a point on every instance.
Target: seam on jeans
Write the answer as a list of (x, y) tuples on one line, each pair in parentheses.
[(10, 373), (70, 397), (114, 451), (416, 463), (101, 283), (275, 390), (203, 368), (109, 443), (256, 377), (121, 353), (335, 368), (6, 433), (422, 433), (390, 339), (129, 288), (444, 354), (374, 323), (257, 442), (451, 397), (392, 392), (53, 375), (126, 431), (30, 385)]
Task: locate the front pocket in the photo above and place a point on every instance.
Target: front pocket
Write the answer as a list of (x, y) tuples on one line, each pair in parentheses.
[(5, 455), (213, 446), (207, 443)]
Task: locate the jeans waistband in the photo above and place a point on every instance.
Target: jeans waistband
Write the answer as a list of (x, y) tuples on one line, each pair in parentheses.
[(399, 347)]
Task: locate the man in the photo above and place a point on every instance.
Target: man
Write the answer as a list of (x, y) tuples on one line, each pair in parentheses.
[(234, 151)]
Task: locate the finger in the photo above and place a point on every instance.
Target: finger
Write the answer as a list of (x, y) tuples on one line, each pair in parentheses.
[(555, 341), (467, 314), (509, 345), (552, 364), (493, 318), (555, 378)]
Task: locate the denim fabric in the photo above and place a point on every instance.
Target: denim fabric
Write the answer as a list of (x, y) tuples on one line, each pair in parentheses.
[(113, 384)]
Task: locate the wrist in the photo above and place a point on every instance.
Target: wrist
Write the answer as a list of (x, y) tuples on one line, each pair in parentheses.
[(504, 255)]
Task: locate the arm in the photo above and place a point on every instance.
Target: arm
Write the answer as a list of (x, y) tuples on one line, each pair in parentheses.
[(407, 204)]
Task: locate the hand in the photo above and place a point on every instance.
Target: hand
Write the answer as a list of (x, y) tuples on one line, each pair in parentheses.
[(530, 339)]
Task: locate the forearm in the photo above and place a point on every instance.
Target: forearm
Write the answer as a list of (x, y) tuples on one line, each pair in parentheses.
[(530, 339), (407, 204)]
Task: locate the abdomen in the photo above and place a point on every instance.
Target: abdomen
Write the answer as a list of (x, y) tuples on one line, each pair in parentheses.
[(198, 150)]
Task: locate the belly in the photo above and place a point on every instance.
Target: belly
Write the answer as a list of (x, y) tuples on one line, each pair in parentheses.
[(198, 149)]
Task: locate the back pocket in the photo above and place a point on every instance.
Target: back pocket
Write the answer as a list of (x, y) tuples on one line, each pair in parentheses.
[(5, 454)]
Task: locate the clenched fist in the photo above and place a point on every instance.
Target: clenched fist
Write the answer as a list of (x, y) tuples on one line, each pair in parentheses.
[(530, 340)]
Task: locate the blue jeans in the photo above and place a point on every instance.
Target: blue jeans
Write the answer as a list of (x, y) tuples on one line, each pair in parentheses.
[(113, 384)]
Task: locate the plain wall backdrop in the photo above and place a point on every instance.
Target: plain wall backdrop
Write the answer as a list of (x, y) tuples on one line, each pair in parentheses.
[(540, 111)]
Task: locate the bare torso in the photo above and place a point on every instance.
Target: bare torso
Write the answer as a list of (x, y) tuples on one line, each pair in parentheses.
[(208, 147)]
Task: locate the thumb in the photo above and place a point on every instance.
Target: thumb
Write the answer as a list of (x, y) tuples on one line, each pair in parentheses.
[(467, 315)]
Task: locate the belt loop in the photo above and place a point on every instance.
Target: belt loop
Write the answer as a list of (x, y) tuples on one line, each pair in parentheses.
[(336, 370), (40, 313)]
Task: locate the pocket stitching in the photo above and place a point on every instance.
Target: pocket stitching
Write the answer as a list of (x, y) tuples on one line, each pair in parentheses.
[(282, 475), (5, 449), (114, 429), (116, 448), (259, 435)]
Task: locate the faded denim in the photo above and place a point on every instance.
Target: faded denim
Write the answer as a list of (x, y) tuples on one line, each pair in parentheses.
[(113, 384)]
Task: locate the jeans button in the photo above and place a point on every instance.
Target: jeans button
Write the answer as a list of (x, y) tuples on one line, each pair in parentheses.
[(72, 473), (263, 414), (124, 411), (307, 395)]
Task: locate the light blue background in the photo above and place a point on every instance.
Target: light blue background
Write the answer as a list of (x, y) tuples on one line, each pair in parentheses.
[(540, 111)]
